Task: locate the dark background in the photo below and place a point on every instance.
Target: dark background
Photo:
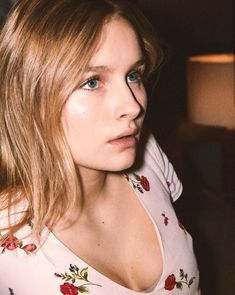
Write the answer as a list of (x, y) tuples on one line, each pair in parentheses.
[(186, 27), (204, 158)]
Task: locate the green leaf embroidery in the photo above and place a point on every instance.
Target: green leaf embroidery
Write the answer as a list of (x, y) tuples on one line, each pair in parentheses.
[(191, 281), (179, 285), (83, 289), (181, 274), (75, 275), (137, 177), (84, 273)]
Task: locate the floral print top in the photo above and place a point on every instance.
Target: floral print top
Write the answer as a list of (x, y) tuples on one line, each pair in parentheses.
[(52, 269)]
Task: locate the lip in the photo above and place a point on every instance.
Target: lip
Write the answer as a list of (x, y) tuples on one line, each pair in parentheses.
[(129, 132), (126, 139)]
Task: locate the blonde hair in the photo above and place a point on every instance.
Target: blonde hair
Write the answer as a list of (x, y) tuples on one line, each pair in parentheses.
[(44, 47)]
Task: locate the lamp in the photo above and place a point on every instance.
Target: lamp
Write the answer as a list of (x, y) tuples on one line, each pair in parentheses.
[(210, 90)]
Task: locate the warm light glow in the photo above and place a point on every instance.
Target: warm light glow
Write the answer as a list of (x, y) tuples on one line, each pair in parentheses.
[(210, 90), (213, 58)]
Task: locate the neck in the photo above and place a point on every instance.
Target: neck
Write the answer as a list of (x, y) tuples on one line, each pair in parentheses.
[(93, 191), (93, 185)]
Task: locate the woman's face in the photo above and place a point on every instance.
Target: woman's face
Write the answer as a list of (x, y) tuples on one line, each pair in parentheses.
[(103, 117)]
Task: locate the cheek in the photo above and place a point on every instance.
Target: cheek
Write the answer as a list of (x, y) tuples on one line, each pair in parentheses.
[(79, 121), (141, 96), (76, 112), (72, 122)]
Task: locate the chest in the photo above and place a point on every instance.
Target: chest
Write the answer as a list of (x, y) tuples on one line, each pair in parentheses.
[(120, 245)]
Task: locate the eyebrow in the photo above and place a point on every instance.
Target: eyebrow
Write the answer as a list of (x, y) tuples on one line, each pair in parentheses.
[(101, 68)]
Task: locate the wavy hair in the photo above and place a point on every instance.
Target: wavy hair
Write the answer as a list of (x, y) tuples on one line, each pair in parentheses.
[(44, 47)]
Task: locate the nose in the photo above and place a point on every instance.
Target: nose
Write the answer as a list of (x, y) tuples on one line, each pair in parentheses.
[(128, 103)]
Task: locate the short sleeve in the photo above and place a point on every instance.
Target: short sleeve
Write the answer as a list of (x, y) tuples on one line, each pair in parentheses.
[(172, 181)]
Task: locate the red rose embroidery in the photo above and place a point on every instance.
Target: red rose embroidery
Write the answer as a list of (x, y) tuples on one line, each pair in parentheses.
[(68, 289), (11, 243), (170, 282), (145, 183), (29, 247)]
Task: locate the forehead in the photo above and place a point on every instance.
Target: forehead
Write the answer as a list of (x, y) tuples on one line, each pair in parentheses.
[(118, 44)]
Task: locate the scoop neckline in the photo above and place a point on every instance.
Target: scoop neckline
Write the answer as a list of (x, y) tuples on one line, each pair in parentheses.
[(52, 236)]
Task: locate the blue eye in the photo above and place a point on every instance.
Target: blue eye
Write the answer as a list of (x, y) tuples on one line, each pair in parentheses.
[(91, 84), (134, 77)]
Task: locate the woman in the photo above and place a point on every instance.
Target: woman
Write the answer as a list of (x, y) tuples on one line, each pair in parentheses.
[(82, 209)]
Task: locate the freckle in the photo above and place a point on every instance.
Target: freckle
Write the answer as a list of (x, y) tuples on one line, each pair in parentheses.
[(98, 244)]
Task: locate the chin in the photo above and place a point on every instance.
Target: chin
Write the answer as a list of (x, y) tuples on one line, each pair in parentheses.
[(123, 163)]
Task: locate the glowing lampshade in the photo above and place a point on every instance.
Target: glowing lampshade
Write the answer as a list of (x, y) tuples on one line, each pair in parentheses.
[(210, 90)]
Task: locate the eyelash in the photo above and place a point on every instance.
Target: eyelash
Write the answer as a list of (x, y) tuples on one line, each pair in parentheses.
[(139, 72), (93, 78)]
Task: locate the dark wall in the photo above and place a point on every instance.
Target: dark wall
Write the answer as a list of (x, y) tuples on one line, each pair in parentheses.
[(186, 27), (4, 8)]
